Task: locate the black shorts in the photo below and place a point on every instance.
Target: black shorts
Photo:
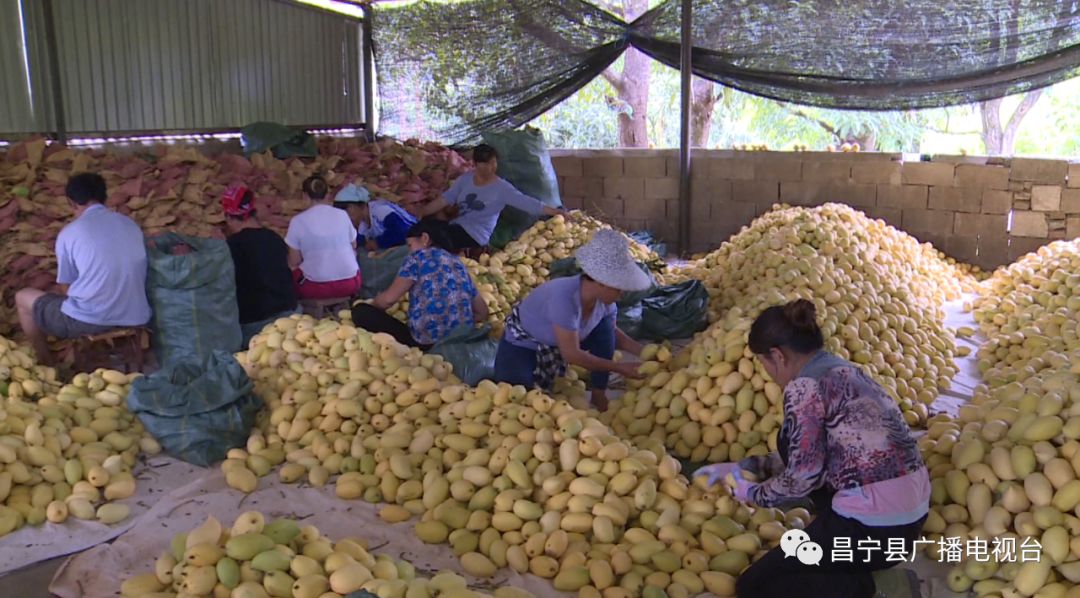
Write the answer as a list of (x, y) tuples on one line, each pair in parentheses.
[(460, 239), (52, 321)]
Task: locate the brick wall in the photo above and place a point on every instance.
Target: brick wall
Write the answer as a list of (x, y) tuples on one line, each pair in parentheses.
[(961, 204)]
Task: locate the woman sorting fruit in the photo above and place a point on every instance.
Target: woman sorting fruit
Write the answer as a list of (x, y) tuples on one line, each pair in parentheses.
[(844, 445), (264, 284), (442, 295), (477, 198), (322, 247), (380, 224), (572, 321)]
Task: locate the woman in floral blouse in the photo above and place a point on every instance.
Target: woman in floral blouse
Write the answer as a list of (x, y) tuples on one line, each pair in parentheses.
[(442, 295), (845, 446)]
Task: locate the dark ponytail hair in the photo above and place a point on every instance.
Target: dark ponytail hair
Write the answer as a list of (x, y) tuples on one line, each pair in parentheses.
[(792, 326), (436, 231), (315, 187)]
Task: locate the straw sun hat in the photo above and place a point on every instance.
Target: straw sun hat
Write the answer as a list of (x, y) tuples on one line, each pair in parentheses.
[(606, 259)]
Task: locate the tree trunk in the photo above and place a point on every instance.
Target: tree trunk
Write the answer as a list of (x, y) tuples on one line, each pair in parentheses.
[(705, 95), (991, 126), (1001, 140), (634, 94), (867, 140), (632, 84)]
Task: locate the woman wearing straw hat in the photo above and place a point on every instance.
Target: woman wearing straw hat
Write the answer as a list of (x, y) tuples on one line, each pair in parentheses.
[(572, 321)]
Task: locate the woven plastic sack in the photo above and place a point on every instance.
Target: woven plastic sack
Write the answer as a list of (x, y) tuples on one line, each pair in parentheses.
[(197, 409), (471, 351), (674, 311), (193, 296), (512, 224), (524, 161), (282, 141), (378, 271)]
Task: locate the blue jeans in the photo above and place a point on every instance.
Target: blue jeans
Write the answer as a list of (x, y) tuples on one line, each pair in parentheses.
[(515, 365)]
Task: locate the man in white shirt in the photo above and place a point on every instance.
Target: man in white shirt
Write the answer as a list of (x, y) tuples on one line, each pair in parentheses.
[(101, 264), (322, 247)]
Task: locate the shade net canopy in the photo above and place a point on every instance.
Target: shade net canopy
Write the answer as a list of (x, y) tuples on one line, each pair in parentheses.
[(450, 70)]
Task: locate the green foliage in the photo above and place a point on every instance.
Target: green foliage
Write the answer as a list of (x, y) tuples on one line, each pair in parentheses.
[(588, 120), (1053, 125), (585, 120)]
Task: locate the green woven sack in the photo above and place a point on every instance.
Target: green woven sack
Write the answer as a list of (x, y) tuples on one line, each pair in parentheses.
[(197, 409), (193, 296)]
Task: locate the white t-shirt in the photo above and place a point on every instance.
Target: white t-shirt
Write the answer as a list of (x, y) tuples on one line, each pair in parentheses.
[(324, 235)]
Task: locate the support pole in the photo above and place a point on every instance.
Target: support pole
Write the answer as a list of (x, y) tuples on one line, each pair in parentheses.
[(368, 67), (684, 133), (59, 122)]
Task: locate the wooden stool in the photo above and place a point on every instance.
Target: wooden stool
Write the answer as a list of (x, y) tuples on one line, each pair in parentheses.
[(123, 345), (321, 308)]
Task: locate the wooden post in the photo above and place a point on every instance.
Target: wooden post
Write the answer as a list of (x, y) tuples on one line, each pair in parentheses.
[(54, 71), (369, 66), (684, 132)]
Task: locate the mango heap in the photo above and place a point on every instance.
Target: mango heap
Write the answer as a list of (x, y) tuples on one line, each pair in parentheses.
[(1007, 468), (828, 249), (69, 453), (1027, 310), (509, 478), (21, 377), (878, 294), (257, 558)]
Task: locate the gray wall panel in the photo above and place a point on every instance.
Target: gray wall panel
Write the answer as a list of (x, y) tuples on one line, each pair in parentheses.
[(151, 65), (22, 110)]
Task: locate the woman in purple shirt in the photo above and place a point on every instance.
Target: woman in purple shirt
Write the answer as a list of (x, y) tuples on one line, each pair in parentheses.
[(846, 447), (572, 320)]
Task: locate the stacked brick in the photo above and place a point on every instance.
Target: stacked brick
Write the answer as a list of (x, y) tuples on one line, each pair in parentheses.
[(986, 211)]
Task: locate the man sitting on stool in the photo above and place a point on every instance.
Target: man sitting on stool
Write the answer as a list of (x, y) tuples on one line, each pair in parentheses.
[(101, 264), (477, 198)]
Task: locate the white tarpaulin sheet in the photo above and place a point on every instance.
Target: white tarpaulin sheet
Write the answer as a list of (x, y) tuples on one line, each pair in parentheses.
[(968, 377), (155, 479), (100, 570)]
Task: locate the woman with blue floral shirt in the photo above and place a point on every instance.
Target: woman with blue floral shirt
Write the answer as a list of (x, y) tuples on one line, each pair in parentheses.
[(442, 295)]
